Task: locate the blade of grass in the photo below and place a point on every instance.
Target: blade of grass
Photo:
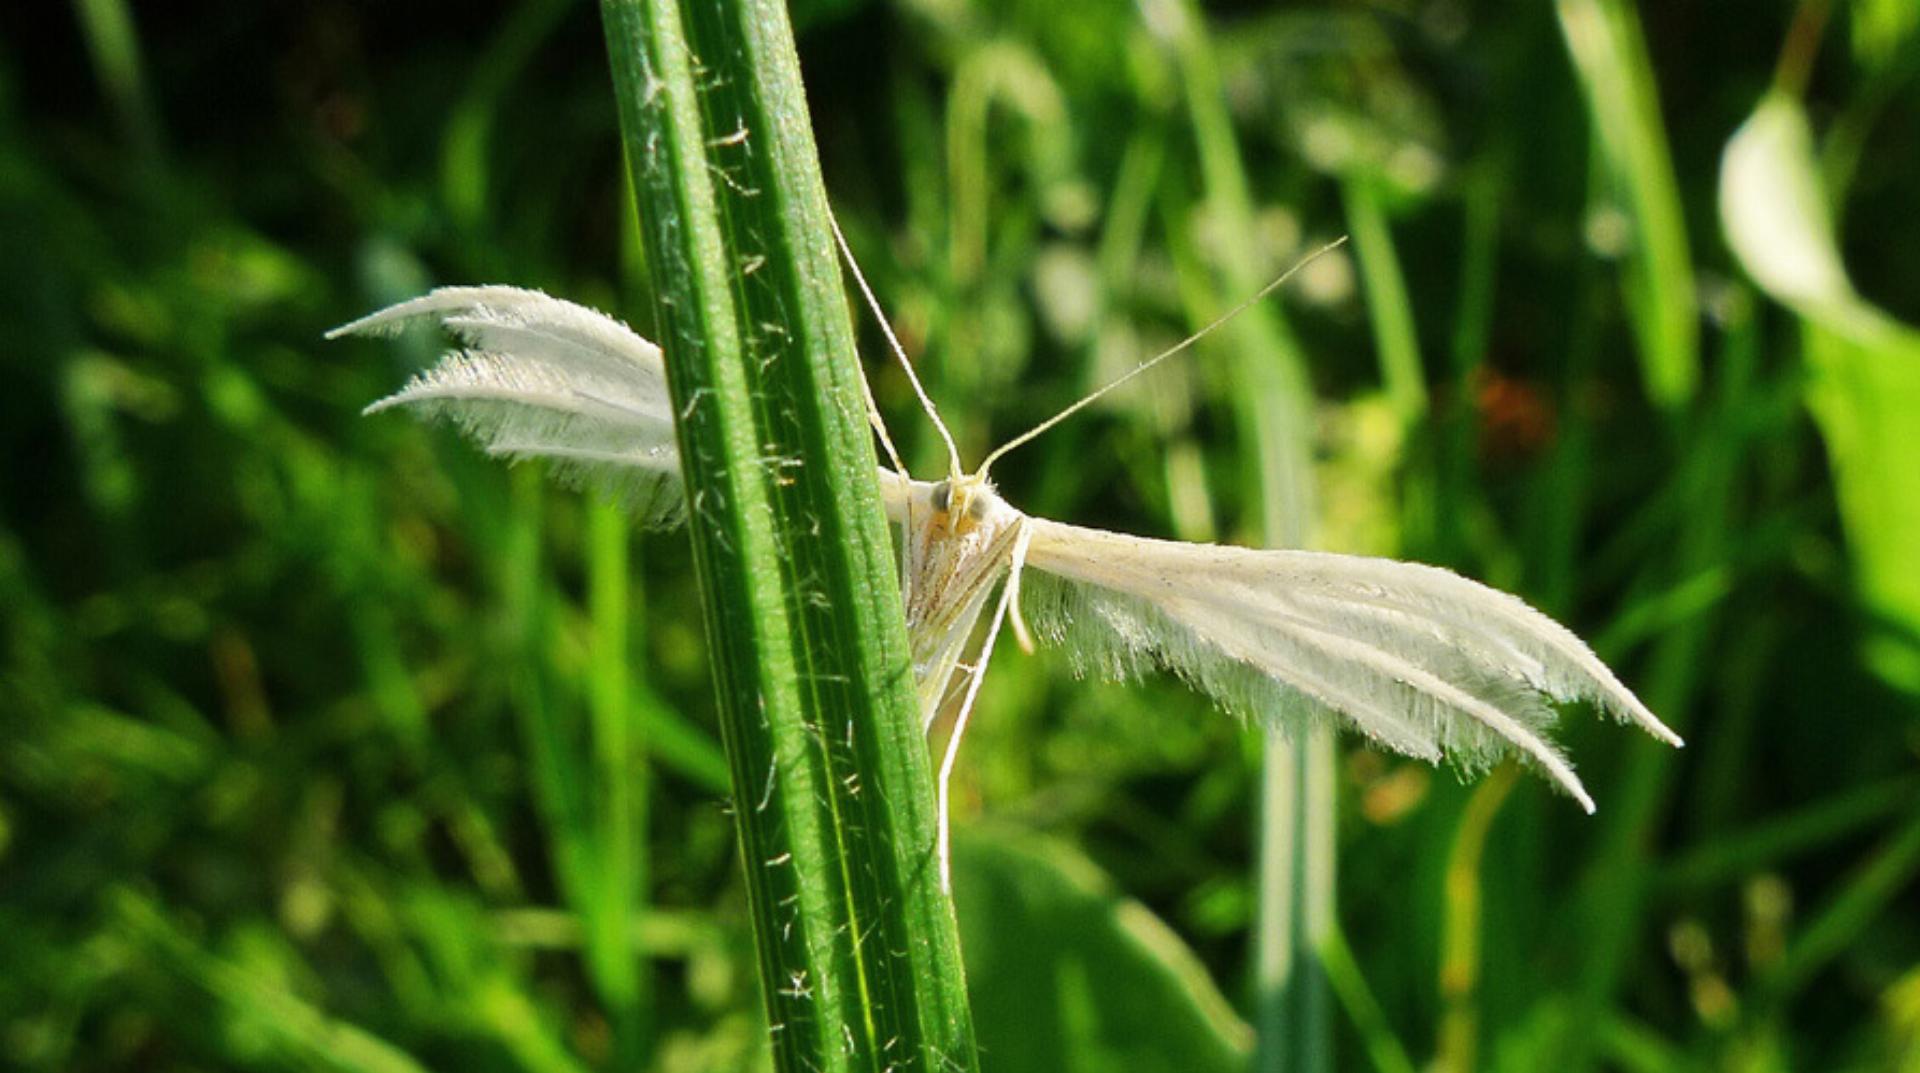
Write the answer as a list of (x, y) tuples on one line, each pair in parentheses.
[(1046, 931), (1615, 891), (623, 720), (560, 789), (1561, 499), (1460, 941), (1862, 898), (480, 990), (1456, 509), (464, 171), (576, 799), (585, 804), (857, 948), (677, 743), (1729, 857), (1389, 309), (1293, 1022), (1616, 75), (1384, 1048), (1004, 77), (1635, 1048), (289, 1025), (620, 784), (114, 45)]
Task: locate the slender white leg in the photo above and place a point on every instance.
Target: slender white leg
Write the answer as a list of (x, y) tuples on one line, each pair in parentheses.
[(1019, 562), (1009, 598), (953, 740), (906, 547)]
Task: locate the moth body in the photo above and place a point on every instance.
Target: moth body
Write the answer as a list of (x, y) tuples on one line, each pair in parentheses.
[(958, 537)]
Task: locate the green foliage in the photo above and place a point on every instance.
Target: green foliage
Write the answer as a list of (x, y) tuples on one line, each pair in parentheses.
[(327, 744)]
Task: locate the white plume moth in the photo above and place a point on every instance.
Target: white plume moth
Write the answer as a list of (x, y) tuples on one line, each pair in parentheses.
[(1417, 658)]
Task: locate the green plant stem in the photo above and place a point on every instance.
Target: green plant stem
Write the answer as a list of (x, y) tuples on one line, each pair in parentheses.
[(857, 950), (1618, 885), (620, 783), (1384, 1048), (1460, 941), (1293, 1022)]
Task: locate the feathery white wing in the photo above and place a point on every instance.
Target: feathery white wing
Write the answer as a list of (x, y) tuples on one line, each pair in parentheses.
[(1419, 659), (544, 378)]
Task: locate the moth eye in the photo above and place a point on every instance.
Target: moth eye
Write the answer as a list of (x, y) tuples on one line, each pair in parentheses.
[(942, 497)]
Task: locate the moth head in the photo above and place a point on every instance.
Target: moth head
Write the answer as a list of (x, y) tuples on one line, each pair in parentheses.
[(964, 500)]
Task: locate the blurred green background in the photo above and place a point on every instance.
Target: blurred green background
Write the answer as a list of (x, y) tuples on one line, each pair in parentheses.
[(326, 743)]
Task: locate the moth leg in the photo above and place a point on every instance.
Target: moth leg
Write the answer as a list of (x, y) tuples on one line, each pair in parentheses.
[(943, 843), (1018, 562), (906, 533)]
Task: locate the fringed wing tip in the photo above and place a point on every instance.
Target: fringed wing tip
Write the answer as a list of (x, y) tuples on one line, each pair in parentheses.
[(381, 405), (1558, 774), (1614, 698), (1661, 731), (441, 302), (1419, 659), (379, 322)]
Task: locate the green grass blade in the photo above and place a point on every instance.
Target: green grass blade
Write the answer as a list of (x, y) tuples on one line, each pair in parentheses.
[(464, 171), (1293, 1022), (1461, 942), (1730, 857), (1610, 57), (1866, 894), (1389, 309), (289, 1027), (1619, 880), (114, 44), (1131, 996), (620, 785), (857, 949), (1349, 984)]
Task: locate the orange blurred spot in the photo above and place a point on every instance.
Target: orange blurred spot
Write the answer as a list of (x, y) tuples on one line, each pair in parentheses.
[(1516, 420)]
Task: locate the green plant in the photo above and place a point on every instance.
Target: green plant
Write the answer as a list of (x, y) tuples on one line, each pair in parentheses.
[(858, 954)]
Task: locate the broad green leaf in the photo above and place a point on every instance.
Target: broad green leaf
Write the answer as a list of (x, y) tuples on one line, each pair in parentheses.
[(1066, 974), (1865, 390)]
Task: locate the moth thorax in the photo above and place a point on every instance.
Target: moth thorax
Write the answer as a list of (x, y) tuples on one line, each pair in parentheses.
[(961, 547)]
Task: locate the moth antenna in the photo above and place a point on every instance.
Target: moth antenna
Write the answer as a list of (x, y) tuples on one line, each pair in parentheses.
[(899, 352), (1176, 348)]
